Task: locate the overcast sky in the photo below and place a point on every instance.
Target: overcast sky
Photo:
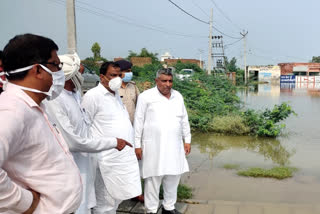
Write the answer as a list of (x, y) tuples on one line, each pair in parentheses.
[(279, 30)]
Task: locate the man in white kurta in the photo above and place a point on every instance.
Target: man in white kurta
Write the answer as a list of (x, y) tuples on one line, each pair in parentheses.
[(162, 139), (118, 175), (71, 119)]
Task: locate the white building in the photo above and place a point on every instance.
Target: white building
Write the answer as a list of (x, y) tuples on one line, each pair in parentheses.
[(166, 55)]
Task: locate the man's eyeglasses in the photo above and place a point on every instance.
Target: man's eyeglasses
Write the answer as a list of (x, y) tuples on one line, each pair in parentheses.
[(59, 66)]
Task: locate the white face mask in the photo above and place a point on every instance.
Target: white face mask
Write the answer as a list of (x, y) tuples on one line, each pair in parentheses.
[(115, 84), (58, 80), (4, 82)]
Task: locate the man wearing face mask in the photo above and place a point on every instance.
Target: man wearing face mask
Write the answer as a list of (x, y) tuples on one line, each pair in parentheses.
[(37, 171), (71, 119), (129, 92), (117, 176)]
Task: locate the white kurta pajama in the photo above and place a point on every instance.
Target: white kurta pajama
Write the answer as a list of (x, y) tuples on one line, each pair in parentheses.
[(161, 127), (67, 114), (119, 169)]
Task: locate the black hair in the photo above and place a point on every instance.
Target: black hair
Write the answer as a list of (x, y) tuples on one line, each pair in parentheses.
[(1, 53), (24, 50), (105, 66)]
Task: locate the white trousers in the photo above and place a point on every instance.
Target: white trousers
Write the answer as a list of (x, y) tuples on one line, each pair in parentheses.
[(106, 204), (152, 188)]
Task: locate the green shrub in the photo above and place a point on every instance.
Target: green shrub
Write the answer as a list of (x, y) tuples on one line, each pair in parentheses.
[(229, 124)]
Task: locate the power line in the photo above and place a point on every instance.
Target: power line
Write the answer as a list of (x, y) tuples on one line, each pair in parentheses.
[(224, 14), (230, 44), (200, 8), (188, 13), (232, 37), (123, 19)]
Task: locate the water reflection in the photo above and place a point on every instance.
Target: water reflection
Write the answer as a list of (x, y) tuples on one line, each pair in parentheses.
[(271, 149)]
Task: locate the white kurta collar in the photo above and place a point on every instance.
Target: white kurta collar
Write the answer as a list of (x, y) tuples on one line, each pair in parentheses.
[(172, 92)]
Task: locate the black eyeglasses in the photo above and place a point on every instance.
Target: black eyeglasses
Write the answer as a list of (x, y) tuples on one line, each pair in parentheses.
[(59, 66)]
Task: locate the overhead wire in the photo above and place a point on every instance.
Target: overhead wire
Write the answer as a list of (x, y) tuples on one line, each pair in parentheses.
[(232, 37), (195, 4), (224, 14), (189, 14), (124, 21)]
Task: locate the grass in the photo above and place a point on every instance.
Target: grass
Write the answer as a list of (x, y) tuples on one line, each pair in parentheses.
[(276, 172), (231, 166), (184, 191)]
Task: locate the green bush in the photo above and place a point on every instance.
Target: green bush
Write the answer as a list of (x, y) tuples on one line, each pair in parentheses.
[(229, 124), (265, 123)]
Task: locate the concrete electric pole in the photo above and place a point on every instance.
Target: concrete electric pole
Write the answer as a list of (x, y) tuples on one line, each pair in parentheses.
[(209, 66), (71, 26), (244, 34)]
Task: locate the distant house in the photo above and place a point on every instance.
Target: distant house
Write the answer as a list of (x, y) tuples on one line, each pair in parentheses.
[(300, 69), (264, 73), (165, 56)]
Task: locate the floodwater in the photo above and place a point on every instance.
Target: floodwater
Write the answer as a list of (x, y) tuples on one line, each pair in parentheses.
[(298, 147)]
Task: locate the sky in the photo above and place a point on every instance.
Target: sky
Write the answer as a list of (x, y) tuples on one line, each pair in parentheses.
[(278, 30)]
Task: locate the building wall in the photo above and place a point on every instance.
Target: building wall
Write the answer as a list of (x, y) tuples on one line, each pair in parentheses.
[(287, 68), (141, 61), (171, 62), (266, 73)]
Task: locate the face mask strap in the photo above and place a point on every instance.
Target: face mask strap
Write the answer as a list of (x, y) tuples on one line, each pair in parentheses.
[(19, 70)]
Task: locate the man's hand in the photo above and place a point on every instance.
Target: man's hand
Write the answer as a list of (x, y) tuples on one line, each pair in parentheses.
[(187, 148), (138, 153), (35, 202), (121, 144)]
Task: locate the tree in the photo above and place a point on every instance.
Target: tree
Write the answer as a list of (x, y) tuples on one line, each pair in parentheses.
[(96, 51), (231, 66), (316, 59)]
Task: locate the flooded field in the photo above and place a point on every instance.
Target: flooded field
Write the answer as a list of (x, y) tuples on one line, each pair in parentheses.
[(299, 147)]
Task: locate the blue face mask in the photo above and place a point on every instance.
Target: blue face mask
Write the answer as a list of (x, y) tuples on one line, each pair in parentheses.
[(127, 77)]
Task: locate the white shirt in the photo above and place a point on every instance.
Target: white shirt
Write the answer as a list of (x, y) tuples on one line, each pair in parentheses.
[(33, 155), (161, 125), (67, 114), (119, 169)]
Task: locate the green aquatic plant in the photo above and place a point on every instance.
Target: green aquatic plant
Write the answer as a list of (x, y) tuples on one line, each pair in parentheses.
[(231, 166), (276, 172)]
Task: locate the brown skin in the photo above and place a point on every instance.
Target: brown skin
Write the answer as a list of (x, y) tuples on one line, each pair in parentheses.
[(39, 79), (81, 70), (35, 202), (112, 72), (164, 85)]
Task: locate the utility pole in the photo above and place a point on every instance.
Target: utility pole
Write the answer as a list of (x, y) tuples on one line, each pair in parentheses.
[(71, 26), (244, 34), (210, 44), (200, 58)]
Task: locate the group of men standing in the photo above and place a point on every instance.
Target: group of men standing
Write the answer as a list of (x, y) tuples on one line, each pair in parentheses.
[(64, 153)]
